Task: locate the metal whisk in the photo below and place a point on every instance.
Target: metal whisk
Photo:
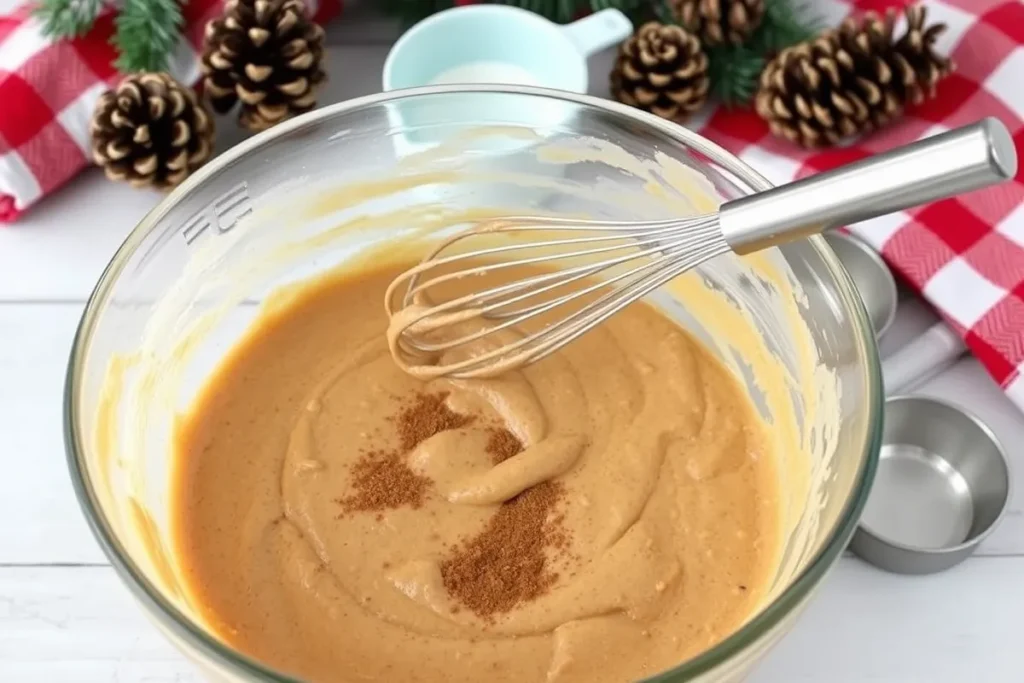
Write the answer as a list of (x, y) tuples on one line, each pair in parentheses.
[(596, 268)]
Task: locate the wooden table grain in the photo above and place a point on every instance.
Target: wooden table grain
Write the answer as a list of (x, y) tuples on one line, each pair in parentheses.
[(64, 615)]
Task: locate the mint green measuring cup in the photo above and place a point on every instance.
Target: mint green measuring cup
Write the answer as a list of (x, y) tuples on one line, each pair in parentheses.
[(514, 45), (554, 56)]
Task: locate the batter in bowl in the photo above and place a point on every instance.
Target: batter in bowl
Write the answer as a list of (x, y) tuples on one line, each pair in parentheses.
[(602, 515)]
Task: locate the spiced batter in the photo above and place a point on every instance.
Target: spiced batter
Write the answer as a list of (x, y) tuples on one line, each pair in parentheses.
[(628, 472)]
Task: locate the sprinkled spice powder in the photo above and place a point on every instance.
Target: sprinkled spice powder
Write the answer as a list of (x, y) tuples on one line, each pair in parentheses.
[(381, 479), (428, 415), (502, 445), (506, 564)]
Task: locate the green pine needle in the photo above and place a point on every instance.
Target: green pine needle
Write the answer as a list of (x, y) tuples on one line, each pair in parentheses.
[(67, 18), (564, 11), (147, 32), (734, 70), (411, 11), (785, 23), (663, 13), (561, 11), (638, 11)]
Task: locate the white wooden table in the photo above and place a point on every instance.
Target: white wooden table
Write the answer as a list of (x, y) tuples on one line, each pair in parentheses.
[(65, 617)]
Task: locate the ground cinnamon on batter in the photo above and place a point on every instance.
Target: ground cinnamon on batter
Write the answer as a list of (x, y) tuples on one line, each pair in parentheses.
[(503, 444), (507, 564), (426, 416), (381, 480)]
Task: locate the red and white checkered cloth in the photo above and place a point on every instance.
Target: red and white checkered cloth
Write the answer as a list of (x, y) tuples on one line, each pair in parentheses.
[(48, 90), (965, 255)]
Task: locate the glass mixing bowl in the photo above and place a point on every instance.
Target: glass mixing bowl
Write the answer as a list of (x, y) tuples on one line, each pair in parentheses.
[(384, 173)]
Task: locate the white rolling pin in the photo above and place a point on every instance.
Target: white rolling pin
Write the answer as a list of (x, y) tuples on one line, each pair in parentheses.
[(931, 353)]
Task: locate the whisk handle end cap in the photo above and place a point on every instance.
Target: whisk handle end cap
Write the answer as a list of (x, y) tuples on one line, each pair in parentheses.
[(1004, 152)]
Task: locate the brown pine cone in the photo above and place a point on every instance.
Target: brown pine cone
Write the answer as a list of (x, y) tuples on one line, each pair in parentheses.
[(661, 69), (719, 21), (850, 80), (266, 54), (151, 131)]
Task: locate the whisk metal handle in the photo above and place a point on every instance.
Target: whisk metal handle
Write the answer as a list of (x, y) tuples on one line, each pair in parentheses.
[(961, 160)]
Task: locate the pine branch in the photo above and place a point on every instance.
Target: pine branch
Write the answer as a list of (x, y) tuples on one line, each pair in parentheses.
[(561, 11), (546, 8), (147, 32), (662, 12), (734, 70), (67, 18), (564, 11), (411, 11), (785, 23), (638, 11)]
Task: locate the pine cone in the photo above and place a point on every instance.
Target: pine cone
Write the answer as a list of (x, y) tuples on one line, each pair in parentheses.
[(851, 80), (719, 21), (661, 69), (266, 53), (151, 130)]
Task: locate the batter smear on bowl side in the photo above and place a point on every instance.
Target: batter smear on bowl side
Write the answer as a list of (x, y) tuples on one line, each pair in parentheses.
[(602, 515)]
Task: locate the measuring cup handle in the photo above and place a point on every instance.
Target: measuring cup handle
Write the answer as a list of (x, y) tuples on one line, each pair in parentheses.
[(921, 359), (599, 30)]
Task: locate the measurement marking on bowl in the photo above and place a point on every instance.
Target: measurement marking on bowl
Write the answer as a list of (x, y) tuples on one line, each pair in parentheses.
[(222, 213)]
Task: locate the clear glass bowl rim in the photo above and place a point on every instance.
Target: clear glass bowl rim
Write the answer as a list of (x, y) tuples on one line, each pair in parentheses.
[(227, 658)]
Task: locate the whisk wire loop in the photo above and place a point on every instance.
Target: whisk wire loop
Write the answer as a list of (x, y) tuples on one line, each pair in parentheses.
[(652, 257), (626, 239), (518, 316)]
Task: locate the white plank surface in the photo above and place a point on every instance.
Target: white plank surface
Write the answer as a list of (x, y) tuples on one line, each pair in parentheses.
[(65, 617), (61, 624), (866, 625), (40, 521), (79, 624)]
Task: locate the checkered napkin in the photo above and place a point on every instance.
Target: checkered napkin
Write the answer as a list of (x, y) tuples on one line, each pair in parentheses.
[(48, 90), (965, 255)]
